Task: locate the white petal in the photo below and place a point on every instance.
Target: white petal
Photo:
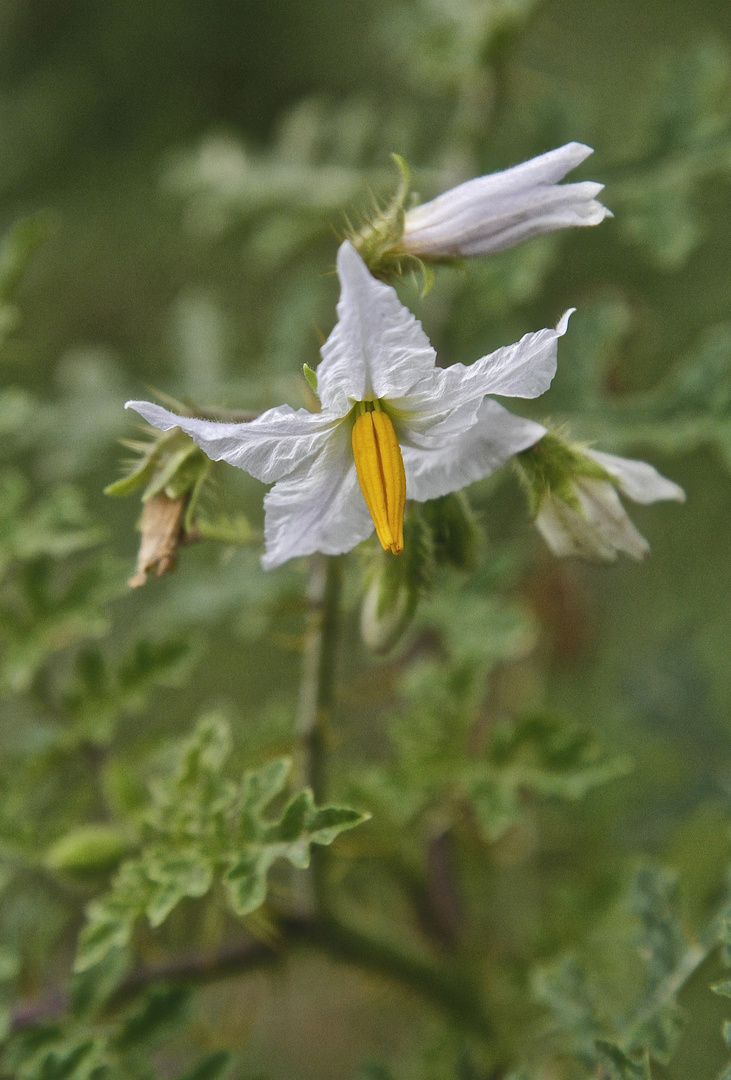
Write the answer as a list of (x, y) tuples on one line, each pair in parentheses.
[(598, 532), (521, 370), (567, 533), (269, 447), (318, 507), (470, 455), (637, 479), (377, 349), (495, 212), (604, 511)]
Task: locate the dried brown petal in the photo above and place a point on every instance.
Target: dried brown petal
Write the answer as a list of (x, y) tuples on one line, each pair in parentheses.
[(161, 528)]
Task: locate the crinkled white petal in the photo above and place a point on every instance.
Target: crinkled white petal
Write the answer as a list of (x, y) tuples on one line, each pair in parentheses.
[(269, 447), (637, 479), (475, 452), (524, 369), (318, 507), (491, 213), (377, 348), (598, 531)]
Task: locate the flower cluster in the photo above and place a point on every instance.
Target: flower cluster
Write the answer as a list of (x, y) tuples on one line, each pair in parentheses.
[(434, 431), (394, 426)]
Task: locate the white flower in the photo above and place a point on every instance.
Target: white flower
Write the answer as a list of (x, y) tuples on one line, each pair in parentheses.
[(596, 526), (392, 425), (491, 213)]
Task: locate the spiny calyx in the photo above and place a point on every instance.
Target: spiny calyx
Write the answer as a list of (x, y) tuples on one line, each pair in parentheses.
[(381, 475)]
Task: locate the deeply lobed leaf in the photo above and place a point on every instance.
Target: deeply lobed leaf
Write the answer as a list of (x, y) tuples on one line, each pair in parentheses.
[(203, 827)]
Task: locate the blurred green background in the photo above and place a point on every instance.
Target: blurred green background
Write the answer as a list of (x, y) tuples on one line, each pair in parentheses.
[(195, 161)]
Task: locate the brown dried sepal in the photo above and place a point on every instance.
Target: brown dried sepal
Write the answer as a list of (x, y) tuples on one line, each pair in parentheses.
[(162, 531)]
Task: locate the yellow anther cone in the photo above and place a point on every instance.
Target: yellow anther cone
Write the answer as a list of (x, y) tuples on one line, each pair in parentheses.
[(381, 476)]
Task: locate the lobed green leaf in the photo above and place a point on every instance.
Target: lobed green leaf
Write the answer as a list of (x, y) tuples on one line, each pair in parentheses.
[(202, 827)]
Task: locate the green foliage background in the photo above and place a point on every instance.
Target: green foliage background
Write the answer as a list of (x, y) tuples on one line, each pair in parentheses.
[(546, 756)]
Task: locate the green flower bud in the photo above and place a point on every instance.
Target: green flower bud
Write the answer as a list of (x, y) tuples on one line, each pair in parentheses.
[(89, 849), (456, 536), (395, 586), (388, 608), (438, 532)]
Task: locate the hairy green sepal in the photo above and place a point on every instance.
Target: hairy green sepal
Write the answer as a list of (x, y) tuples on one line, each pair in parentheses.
[(551, 465)]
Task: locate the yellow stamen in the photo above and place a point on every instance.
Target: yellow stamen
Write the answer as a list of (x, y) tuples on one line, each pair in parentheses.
[(381, 475)]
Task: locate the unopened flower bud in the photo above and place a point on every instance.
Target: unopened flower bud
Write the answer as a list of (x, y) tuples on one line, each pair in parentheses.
[(495, 212), (378, 241), (396, 585), (388, 608), (479, 217), (455, 533), (89, 849)]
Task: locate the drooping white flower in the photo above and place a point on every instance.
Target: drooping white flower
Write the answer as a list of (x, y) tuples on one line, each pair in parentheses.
[(393, 425), (491, 213), (583, 515)]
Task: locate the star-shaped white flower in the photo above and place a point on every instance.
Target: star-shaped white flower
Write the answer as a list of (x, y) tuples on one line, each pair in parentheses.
[(392, 425), (597, 526), (491, 213)]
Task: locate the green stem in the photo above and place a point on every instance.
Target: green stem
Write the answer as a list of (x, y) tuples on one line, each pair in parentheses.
[(441, 985), (437, 986), (317, 691), (450, 991)]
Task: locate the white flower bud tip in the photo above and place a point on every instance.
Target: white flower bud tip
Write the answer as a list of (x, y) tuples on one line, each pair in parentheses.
[(494, 212)]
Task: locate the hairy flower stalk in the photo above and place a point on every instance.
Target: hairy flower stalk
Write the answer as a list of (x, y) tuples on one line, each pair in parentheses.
[(392, 425)]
